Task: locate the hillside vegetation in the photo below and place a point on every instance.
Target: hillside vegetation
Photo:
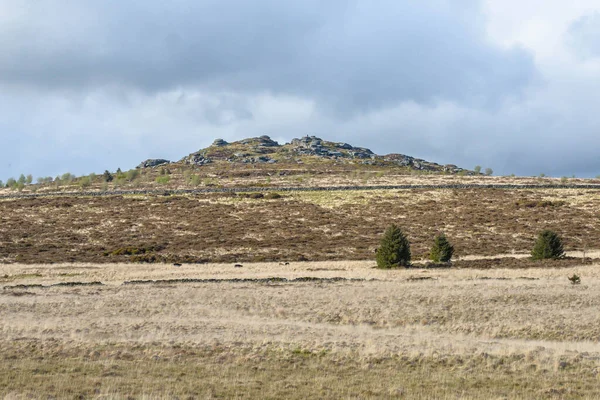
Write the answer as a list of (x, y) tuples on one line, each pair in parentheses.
[(312, 225)]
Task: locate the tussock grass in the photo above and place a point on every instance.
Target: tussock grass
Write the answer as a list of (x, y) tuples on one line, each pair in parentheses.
[(466, 333)]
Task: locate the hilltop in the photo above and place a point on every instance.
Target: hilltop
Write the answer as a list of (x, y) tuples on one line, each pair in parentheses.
[(309, 161), (305, 150)]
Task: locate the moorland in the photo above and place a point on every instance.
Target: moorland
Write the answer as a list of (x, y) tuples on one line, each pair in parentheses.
[(210, 278)]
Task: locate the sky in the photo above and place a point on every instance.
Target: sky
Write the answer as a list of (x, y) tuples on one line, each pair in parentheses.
[(92, 85)]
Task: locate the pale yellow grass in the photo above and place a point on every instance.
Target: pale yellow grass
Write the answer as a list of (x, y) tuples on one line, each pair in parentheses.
[(527, 328), (116, 274)]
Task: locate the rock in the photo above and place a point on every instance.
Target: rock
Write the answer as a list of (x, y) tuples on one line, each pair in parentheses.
[(359, 154), (220, 142), (306, 141), (363, 150), (344, 146), (197, 159), (266, 141), (152, 163)]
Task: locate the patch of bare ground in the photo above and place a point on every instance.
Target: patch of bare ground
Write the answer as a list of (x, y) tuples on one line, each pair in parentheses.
[(297, 226), (466, 333)]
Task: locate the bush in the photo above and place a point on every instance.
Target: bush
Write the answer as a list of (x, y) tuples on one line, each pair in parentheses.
[(394, 250), (163, 179), (107, 176), (132, 175), (442, 250), (85, 182), (548, 245), (195, 180), (67, 177)]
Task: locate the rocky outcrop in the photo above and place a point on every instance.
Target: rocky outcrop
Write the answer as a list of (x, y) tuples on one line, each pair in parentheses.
[(152, 163), (247, 159), (219, 143), (315, 146), (197, 159), (261, 141), (263, 149)]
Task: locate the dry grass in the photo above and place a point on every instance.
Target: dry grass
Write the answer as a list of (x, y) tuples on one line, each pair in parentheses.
[(312, 171), (467, 333), (299, 226)]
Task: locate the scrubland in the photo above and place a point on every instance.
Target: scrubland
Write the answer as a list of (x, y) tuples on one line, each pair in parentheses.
[(312, 225), (94, 303), (410, 333)]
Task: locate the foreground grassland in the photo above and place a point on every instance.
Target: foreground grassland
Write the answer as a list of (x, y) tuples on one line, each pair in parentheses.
[(431, 333), (332, 225)]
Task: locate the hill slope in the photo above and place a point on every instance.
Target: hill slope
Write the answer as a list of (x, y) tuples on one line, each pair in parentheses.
[(306, 150)]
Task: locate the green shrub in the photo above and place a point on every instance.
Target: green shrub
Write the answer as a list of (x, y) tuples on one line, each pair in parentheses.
[(120, 175), (163, 179), (575, 279), (477, 169), (195, 180), (67, 177), (85, 182), (489, 171), (394, 249), (132, 175), (442, 250), (107, 176), (548, 245)]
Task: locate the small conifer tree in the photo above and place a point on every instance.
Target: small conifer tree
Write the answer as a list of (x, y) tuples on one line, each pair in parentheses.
[(442, 250), (548, 245), (394, 250), (107, 176)]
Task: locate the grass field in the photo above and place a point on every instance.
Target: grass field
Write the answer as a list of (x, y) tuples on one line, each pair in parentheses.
[(93, 306), (415, 333)]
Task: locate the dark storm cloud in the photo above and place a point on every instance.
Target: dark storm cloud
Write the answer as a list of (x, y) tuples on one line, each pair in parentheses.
[(348, 55)]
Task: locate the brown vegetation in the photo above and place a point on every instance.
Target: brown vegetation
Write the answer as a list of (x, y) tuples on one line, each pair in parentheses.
[(294, 226)]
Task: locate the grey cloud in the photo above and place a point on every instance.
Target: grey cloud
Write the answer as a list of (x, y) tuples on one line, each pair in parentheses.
[(95, 85), (583, 36), (349, 55)]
